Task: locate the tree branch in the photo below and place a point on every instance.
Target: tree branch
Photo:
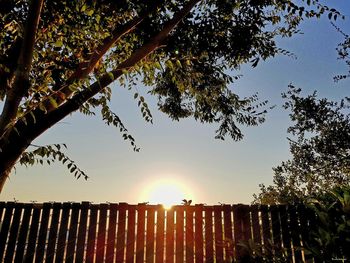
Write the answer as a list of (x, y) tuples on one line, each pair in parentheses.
[(24, 132), (86, 67), (20, 83), (65, 91), (77, 100)]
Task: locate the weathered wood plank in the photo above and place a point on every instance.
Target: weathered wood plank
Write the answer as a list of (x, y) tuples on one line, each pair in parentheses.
[(160, 234), (130, 238), (266, 229), (189, 234), (199, 252), (238, 230), (5, 226), (285, 227), (10, 250), (247, 231), (256, 226), (179, 253), (121, 232), (209, 238), (90, 253), (169, 250), (51, 246), (219, 240), (140, 239), (23, 233), (33, 232), (72, 234), (150, 235), (81, 239), (45, 215), (112, 226), (276, 228), (62, 232), (295, 234), (228, 233), (101, 236)]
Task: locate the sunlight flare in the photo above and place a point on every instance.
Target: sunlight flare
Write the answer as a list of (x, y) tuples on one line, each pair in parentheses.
[(167, 192)]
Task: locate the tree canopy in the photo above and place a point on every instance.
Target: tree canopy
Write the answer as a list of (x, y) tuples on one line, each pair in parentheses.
[(58, 57)]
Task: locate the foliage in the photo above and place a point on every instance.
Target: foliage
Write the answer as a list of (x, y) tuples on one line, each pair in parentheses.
[(256, 252), (49, 154), (343, 53), (320, 152), (57, 57), (330, 234)]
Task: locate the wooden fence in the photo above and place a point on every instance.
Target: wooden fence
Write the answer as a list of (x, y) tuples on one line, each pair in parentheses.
[(85, 232)]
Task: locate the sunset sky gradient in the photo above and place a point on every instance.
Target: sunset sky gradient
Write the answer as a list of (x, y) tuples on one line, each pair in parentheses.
[(212, 171)]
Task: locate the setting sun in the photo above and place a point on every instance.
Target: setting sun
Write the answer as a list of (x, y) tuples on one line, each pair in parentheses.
[(166, 192)]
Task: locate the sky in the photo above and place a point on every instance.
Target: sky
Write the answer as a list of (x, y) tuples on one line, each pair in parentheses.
[(182, 158)]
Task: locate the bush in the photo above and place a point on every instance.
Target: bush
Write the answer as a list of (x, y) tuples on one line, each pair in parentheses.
[(330, 235)]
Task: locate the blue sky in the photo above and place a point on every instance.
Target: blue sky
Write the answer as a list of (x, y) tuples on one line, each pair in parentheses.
[(212, 171)]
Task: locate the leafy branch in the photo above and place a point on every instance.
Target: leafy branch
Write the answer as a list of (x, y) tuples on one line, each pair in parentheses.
[(48, 154)]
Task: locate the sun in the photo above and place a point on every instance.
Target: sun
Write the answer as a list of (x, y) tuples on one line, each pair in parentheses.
[(167, 192)]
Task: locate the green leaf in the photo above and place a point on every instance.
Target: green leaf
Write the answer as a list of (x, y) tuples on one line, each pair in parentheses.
[(58, 43), (89, 12), (111, 76), (178, 63), (157, 65), (83, 8), (53, 102)]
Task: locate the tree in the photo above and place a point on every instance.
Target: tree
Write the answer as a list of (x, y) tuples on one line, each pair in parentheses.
[(320, 146), (58, 57)]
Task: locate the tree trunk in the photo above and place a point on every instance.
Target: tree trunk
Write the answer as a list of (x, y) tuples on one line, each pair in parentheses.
[(11, 150), (3, 177)]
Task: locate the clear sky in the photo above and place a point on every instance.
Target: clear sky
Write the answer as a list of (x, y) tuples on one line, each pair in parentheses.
[(185, 154)]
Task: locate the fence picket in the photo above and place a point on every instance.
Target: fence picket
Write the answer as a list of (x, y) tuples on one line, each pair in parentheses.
[(45, 215), (22, 237), (5, 226), (33, 232), (180, 234), (238, 230), (112, 225), (80, 251), (169, 250), (256, 227), (72, 234), (228, 233), (209, 250), (51, 246), (121, 232), (101, 236), (62, 233), (90, 253), (140, 241), (150, 234), (130, 238), (276, 228), (199, 234), (294, 224), (219, 241), (10, 250), (285, 231), (106, 232)]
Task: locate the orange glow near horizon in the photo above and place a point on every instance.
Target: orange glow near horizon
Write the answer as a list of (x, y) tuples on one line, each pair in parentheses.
[(167, 192)]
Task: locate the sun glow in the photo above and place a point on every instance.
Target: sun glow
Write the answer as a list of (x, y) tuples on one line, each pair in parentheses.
[(166, 192)]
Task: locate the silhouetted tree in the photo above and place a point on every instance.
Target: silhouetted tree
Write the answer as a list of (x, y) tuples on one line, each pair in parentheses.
[(320, 147)]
